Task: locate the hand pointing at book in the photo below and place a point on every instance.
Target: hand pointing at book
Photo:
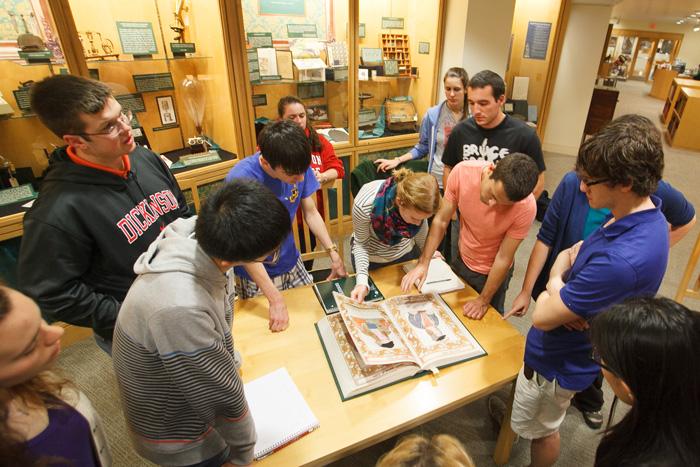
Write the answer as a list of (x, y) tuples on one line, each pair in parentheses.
[(359, 293), (416, 276)]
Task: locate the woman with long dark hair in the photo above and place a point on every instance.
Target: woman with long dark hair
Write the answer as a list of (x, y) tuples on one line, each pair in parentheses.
[(649, 351), (43, 419)]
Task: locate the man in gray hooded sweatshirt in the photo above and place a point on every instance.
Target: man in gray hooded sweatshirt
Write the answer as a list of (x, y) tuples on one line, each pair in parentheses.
[(173, 352)]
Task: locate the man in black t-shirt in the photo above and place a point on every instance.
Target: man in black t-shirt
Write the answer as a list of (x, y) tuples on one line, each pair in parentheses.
[(489, 134)]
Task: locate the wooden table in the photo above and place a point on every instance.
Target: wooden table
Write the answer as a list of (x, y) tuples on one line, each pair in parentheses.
[(348, 427)]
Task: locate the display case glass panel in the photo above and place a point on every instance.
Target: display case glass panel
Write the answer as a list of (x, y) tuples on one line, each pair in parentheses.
[(165, 61), (396, 65), (30, 50), (300, 48)]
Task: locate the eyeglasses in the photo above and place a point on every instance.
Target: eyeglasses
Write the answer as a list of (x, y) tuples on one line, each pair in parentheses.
[(596, 358), (590, 182), (273, 258), (114, 127)]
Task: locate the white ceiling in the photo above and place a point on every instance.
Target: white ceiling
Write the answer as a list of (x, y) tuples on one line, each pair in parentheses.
[(661, 11)]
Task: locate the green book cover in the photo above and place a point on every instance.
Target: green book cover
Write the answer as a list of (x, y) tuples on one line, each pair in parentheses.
[(324, 292)]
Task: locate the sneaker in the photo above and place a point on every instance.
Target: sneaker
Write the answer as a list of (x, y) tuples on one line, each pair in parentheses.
[(497, 410), (593, 419)]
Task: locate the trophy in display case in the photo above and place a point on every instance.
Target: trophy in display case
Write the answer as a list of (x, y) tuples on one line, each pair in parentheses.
[(180, 47), (195, 100)]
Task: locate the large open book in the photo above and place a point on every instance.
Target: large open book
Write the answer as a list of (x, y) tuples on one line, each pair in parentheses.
[(371, 345)]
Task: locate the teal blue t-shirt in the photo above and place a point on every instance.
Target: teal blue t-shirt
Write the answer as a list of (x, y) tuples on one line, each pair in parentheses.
[(594, 219)]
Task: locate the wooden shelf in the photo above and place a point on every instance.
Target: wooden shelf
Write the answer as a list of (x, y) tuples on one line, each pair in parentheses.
[(396, 47), (685, 119), (673, 93)]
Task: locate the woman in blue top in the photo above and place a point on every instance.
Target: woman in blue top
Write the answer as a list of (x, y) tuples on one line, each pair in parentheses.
[(437, 125), (43, 420)]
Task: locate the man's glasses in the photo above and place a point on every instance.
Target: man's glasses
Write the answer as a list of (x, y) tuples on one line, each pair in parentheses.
[(595, 357), (590, 182), (114, 127)]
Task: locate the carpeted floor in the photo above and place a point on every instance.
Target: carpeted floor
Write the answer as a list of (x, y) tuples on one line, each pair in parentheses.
[(91, 369)]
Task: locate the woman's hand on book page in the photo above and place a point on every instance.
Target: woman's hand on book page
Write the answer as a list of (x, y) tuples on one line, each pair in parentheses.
[(520, 305), (415, 276), (475, 308), (279, 317), (359, 293)]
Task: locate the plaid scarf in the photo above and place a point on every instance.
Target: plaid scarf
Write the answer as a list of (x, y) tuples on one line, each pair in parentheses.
[(387, 223)]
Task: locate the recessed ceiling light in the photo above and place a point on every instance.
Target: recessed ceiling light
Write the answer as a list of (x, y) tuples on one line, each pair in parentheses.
[(696, 29)]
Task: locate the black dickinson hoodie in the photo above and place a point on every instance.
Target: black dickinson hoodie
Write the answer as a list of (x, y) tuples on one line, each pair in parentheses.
[(85, 231)]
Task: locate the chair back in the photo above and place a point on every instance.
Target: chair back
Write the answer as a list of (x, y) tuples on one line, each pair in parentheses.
[(333, 226)]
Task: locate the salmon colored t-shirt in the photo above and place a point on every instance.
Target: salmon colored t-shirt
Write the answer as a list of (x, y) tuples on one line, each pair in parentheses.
[(483, 227)]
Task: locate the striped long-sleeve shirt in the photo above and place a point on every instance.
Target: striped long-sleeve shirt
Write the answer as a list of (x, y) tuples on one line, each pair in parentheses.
[(173, 356), (366, 245)]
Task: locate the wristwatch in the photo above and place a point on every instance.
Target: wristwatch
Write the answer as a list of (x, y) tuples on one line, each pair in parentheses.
[(333, 247)]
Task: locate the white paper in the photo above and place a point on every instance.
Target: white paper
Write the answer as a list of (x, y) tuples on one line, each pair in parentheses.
[(520, 85), (279, 410), (267, 62)]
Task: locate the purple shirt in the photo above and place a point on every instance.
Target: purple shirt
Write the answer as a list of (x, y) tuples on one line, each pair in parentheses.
[(626, 259), (66, 438), (290, 195)]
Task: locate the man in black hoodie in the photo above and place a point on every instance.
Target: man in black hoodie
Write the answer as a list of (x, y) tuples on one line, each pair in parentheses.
[(102, 202)]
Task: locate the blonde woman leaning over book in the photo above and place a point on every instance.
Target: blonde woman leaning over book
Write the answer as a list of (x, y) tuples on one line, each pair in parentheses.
[(389, 219)]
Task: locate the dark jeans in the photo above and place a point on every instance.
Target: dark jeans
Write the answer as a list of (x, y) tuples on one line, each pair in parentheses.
[(591, 398), (413, 254), (216, 461), (477, 281), (103, 344)]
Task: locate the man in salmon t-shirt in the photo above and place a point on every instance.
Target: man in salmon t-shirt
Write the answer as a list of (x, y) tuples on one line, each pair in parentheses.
[(496, 208)]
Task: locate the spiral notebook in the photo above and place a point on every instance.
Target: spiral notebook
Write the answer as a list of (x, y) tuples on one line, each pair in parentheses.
[(279, 410)]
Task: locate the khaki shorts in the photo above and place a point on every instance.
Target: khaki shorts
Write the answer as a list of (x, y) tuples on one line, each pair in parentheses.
[(539, 406)]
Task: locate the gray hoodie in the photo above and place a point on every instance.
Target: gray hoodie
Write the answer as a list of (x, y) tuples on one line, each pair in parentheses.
[(173, 355)]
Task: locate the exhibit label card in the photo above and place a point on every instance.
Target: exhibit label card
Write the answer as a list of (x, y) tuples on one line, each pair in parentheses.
[(133, 102), (302, 30), (137, 37), (260, 39), (153, 82)]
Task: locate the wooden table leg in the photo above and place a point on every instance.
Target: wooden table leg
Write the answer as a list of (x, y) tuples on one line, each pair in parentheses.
[(506, 436)]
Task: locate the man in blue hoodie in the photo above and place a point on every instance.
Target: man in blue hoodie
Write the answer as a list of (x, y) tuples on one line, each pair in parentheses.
[(173, 350)]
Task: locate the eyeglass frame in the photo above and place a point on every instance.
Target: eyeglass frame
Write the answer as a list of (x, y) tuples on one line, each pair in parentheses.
[(590, 183), (124, 119)]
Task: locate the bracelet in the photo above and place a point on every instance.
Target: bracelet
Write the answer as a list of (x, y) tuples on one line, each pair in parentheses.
[(333, 247)]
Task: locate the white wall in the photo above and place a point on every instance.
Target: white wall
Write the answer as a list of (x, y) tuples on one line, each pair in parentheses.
[(455, 30), (487, 37), (578, 66)]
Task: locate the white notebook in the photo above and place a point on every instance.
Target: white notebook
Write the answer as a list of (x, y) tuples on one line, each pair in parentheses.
[(279, 410), (440, 279)]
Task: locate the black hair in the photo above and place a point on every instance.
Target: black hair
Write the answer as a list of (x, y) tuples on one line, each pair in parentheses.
[(284, 144), (626, 151), (461, 74), (518, 173), (653, 345), (313, 136), (489, 78), (59, 100), (242, 221)]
